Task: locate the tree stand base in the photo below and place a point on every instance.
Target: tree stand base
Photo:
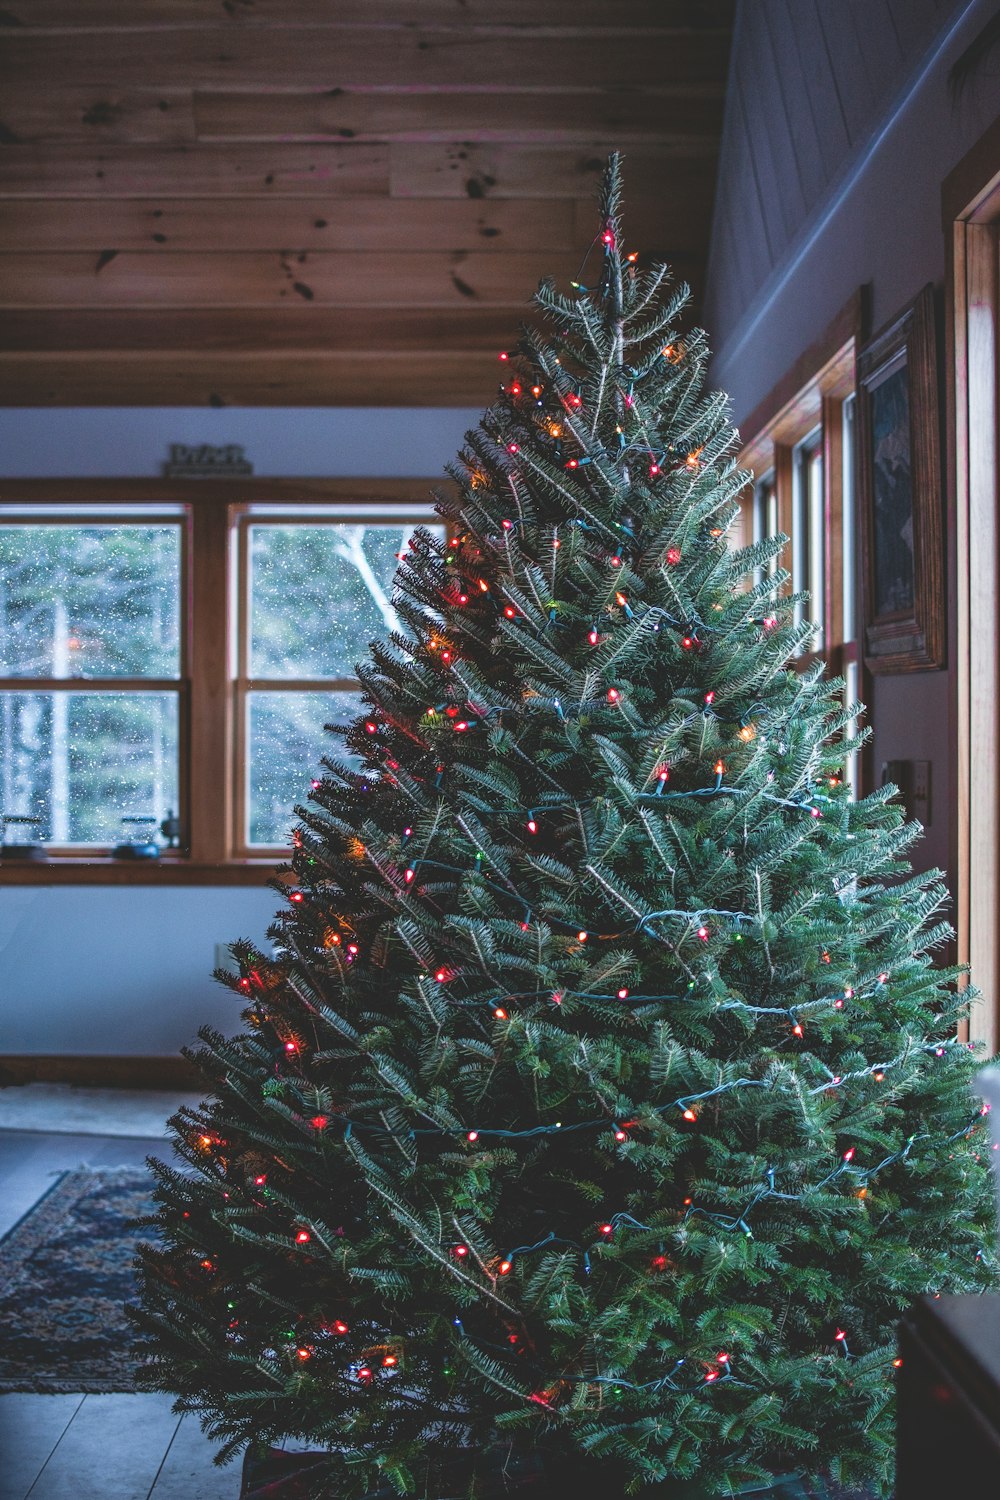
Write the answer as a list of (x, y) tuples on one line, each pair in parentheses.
[(273, 1474)]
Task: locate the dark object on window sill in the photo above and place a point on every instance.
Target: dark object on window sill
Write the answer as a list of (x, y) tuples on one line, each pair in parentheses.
[(948, 1406), (136, 851), (13, 852)]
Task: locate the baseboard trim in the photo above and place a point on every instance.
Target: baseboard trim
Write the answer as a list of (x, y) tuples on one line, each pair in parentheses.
[(103, 1072)]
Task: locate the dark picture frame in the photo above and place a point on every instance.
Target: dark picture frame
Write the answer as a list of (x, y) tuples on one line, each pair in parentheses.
[(900, 494)]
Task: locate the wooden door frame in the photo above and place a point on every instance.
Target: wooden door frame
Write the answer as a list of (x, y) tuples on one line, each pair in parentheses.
[(971, 214)]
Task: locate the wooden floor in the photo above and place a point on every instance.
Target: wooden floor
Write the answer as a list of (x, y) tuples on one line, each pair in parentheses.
[(77, 1447)]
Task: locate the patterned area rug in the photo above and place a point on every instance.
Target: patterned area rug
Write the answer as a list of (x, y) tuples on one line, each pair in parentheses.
[(65, 1276)]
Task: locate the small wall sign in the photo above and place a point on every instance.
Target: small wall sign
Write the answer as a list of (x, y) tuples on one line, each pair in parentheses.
[(206, 461)]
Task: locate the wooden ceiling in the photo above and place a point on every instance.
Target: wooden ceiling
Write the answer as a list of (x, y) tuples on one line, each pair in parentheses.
[(318, 202)]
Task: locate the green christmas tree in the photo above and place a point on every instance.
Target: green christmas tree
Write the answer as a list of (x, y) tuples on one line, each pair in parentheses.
[(600, 1100)]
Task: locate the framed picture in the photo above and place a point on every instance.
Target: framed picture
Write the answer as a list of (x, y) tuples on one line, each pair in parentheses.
[(900, 495)]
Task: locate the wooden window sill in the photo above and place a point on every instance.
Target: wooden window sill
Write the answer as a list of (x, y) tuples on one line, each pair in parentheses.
[(104, 870)]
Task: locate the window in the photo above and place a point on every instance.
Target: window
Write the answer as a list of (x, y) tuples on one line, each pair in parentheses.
[(296, 665), (164, 658), (90, 667), (809, 532), (764, 520), (803, 453)]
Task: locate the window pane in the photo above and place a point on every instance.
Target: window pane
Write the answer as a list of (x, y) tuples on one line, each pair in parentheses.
[(816, 528), (318, 595), (286, 741), (83, 761), (89, 601), (849, 523)]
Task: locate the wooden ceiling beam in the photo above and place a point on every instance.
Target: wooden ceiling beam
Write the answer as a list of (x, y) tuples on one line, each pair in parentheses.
[(315, 223), (333, 170), (302, 57), (682, 116), (142, 15), (114, 171), (155, 378), (258, 279), (560, 226), (304, 329)]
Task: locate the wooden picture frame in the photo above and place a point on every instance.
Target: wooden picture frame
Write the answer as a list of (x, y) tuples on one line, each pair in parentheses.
[(901, 495)]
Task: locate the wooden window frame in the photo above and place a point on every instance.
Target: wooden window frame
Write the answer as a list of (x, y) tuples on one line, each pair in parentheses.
[(811, 398), (970, 201), (211, 690)]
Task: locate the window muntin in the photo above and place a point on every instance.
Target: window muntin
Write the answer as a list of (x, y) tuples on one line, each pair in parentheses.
[(90, 673)]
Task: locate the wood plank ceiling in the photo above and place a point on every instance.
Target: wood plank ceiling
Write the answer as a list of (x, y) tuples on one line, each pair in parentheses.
[(318, 202)]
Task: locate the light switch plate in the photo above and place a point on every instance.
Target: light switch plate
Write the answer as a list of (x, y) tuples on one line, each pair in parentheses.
[(920, 792)]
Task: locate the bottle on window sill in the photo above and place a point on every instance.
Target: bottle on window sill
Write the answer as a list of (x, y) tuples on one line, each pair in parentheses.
[(142, 844)]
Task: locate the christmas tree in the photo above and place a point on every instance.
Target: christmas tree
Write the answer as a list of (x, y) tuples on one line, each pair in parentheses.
[(600, 1100)]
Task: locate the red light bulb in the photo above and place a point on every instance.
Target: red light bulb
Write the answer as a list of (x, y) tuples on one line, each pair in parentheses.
[(500, 1014), (303, 1237), (461, 1251), (473, 1135), (319, 1122), (505, 1267), (607, 1229), (340, 1327), (623, 994), (654, 469), (532, 826), (613, 695), (689, 1114)]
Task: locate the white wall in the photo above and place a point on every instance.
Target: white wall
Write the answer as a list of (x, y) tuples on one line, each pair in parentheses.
[(94, 970), (297, 442)]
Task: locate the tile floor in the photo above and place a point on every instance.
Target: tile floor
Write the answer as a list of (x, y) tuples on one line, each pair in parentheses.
[(76, 1447)]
